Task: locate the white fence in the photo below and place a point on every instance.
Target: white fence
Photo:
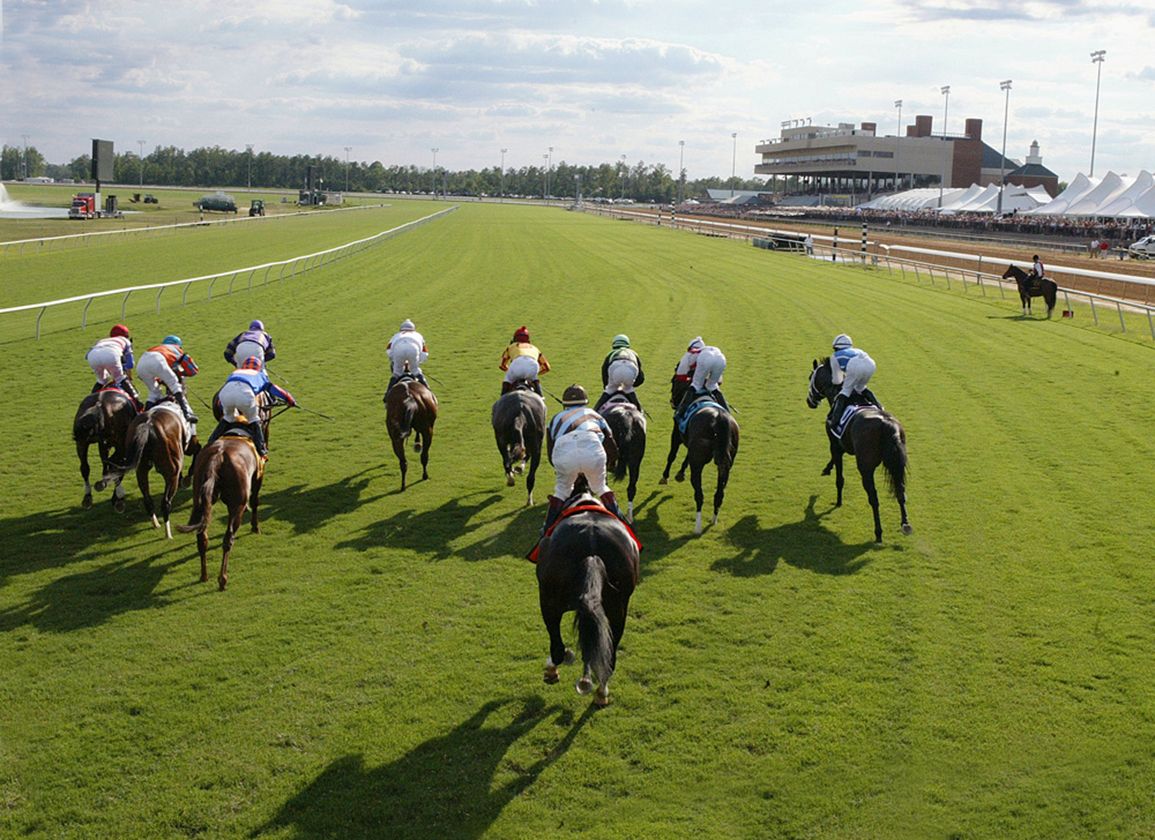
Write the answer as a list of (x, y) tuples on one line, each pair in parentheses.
[(290, 268)]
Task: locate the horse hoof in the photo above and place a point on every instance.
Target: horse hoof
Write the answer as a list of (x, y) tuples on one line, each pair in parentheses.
[(568, 658), (551, 677), (100, 485), (118, 504), (222, 582), (204, 578), (86, 502), (680, 477), (256, 529), (826, 470), (509, 482), (168, 529), (664, 480), (155, 521), (907, 529), (584, 686), (601, 700)]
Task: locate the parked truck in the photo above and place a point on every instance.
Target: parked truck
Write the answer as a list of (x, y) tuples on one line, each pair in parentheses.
[(83, 206)]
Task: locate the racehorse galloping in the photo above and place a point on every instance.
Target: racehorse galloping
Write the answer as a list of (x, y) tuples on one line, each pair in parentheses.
[(519, 429), (711, 434), (628, 425), (227, 469), (873, 437), (410, 407), (588, 564), (1030, 287), (157, 439), (103, 418)]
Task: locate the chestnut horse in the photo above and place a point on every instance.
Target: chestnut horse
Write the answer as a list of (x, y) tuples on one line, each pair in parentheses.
[(1030, 287), (103, 418), (588, 564), (410, 407), (518, 419)]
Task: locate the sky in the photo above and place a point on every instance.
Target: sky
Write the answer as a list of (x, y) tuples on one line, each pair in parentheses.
[(595, 80)]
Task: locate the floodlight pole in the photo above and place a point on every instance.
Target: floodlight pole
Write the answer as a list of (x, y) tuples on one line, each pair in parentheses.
[(945, 89), (1096, 58), (898, 147), (501, 187), (733, 162), (435, 150), (681, 170), (249, 149), (25, 136), (347, 150), (548, 169), (1006, 86), (140, 160), (625, 175)]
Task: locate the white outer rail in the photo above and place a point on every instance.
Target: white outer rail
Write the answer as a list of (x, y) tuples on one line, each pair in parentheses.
[(300, 264)]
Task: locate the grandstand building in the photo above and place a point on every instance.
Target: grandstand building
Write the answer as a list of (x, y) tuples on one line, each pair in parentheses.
[(845, 159)]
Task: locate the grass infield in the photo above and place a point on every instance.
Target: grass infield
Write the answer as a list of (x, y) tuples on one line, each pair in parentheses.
[(375, 667)]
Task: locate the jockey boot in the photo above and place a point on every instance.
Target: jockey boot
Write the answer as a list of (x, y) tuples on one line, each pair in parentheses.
[(506, 387), (868, 395), (130, 389), (555, 506), (687, 400), (611, 502), (97, 387), (537, 388), (421, 379), (258, 435), (721, 400), (222, 427), (633, 397), (182, 400), (836, 410)]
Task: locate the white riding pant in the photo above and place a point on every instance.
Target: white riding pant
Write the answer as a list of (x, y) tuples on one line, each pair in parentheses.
[(711, 366), (238, 398), (406, 350), (522, 367), (246, 349), (621, 376), (105, 364), (575, 454), (153, 367), (858, 372)]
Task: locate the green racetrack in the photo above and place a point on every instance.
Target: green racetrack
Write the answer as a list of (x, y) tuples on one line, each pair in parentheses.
[(374, 668)]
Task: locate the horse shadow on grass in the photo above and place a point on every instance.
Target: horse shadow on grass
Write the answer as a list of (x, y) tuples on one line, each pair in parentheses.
[(307, 508), (657, 544), (442, 788), (806, 544), (438, 533)]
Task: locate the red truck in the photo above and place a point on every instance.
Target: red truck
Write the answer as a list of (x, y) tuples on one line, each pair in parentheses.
[(83, 206)]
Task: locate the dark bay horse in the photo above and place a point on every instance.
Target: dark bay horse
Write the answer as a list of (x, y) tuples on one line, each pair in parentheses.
[(588, 564), (103, 419), (410, 407), (628, 424), (712, 434), (227, 469), (519, 429), (873, 437), (158, 439), (1030, 287)]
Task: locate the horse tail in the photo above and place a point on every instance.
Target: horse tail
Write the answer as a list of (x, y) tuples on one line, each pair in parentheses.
[(1050, 295), (625, 444), (202, 512), (724, 443), (89, 426), (137, 443), (405, 421), (894, 458), (515, 446), (593, 626)]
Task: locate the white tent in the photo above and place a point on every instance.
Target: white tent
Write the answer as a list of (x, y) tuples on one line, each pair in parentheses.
[(1015, 198), (1074, 191), (1104, 193), (924, 198), (1143, 183), (1143, 207), (961, 199)]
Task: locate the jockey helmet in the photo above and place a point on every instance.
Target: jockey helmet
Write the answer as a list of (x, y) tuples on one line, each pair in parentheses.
[(1035, 258), (251, 363), (172, 339), (621, 341), (842, 341), (521, 334), (119, 330), (407, 325), (696, 344), (574, 395), (257, 325)]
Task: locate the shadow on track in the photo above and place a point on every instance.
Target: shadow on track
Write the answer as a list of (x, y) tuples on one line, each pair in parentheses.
[(307, 508), (444, 787), (48, 539), (806, 544)]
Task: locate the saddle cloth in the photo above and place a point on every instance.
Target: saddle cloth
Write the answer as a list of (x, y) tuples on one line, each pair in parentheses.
[(174, 409), (585, 506), (839, 428), (248, 439), (119, 390), (694, 408)]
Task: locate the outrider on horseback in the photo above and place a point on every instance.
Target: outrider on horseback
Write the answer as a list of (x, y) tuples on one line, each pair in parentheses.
[(1033, 284)]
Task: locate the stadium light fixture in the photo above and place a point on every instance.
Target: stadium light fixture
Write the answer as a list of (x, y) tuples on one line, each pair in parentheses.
[(897, 147), (681, 169), (733, 162), (501, 188), (1004, 86), (1097, 57), (140, 160), (945, 90)]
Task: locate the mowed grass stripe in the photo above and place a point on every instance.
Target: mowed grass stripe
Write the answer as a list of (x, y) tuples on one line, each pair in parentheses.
[(376, 661)]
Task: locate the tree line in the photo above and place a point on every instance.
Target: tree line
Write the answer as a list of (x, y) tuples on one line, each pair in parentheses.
[(217, 167)]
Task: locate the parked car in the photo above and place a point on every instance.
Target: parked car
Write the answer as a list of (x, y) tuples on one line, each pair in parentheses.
[(1143, 249)]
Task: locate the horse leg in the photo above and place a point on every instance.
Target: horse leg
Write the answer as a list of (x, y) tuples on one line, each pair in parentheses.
[(632, 488), (867, 472), (836, 459), (142, 472), (171, 484), (203, 551), (558, 653), (426, 439), (720, 490), (681, 476), (699, 496), (118, 496), (675, 442), (255, 503), (399, 451), (85, 473), (531, 476), (236, 517)]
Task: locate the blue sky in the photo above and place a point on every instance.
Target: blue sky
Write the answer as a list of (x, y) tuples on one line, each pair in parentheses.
[(593, 79)]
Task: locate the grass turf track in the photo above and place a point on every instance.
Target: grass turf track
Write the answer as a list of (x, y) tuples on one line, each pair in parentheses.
[(375, 667)]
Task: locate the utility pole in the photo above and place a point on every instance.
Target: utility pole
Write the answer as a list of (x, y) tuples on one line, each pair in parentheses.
[(347, 150), (249, 149), (1097, 57), (140, 160), (1005, 86), (501, 189)]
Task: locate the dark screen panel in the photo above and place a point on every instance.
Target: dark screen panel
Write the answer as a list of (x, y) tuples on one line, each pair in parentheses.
[(102, 160)]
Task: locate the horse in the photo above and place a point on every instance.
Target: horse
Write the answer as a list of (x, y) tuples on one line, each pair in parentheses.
[(628, 425), (103, 419), (873, 437), (712, 433), (588, 564), (157, 438), (228, 469), (410, 407), (519, 428), (1030, 287)]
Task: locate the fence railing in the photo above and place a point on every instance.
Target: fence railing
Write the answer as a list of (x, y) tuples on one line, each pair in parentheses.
[(284, 269)]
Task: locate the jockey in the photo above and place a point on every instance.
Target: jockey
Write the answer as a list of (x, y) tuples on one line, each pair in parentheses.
[(252, 342), (1037, 270), (621, 372), (684, 372), (521, 360), (169, 364), (706, 380), (239, 403), (851, 368), (578, 442), (111, 360), (407, 346)]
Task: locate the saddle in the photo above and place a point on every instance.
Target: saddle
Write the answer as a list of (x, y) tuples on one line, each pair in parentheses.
[(240, 434), (619, 398), (111, 387), (581, 503), (852, 411), (169, 406), (704, 401)]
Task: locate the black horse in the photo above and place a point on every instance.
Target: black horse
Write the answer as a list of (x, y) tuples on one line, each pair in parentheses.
[(1031, 286), (873, 437), (588, 564), (103, 419), (519, 429), (628, 425), (712, 433)]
